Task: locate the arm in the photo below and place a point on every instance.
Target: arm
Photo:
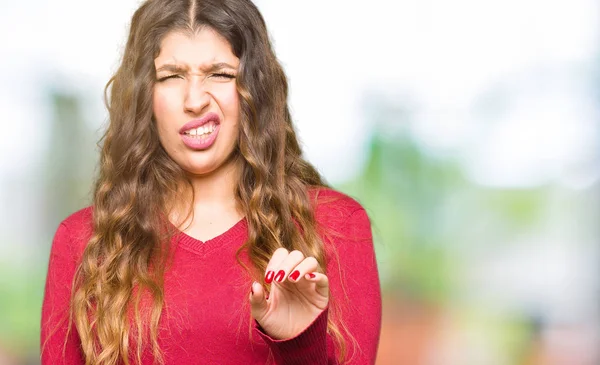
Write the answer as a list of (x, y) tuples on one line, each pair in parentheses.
[(56, 348), (355, 298), (355, 288)]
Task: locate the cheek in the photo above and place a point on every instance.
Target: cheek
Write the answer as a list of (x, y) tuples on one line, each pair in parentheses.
[(162, 109), (229, 102), (232, 113), (160, 105)]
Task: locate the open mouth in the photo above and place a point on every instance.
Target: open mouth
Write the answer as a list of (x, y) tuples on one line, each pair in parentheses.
[(202, 132)]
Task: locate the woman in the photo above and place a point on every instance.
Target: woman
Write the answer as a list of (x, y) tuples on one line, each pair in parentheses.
[(210, 239)]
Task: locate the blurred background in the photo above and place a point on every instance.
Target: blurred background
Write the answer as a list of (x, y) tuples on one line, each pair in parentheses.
[(468, 129)]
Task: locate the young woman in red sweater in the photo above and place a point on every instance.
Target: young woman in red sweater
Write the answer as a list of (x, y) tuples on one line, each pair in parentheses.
[(210, 239)]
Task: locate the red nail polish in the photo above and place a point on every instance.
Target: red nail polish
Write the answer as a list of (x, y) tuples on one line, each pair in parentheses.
[(311, 275), (280, 275), (294, 276), (269, 277)]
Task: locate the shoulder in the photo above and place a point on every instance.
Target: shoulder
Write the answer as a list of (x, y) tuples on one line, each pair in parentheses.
[(332, 206), (77, 228), (342, 223), (80, 221)]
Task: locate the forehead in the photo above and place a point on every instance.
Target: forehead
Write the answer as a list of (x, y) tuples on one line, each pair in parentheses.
[(203, 47)]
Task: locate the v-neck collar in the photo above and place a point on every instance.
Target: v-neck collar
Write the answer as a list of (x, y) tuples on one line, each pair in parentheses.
[(195, 245)]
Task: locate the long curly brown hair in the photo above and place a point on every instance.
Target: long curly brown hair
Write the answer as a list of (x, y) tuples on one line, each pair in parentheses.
[(138, 182)]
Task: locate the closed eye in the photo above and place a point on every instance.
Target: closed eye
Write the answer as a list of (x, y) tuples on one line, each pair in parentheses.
[(173, 76), (223, 75)]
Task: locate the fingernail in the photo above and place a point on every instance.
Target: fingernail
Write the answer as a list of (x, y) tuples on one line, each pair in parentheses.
[(294, 276), (280, 275), (269, 276), (311, 275)]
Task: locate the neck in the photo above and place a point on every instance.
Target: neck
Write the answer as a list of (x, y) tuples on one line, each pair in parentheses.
[(213, 193), (217, 187)]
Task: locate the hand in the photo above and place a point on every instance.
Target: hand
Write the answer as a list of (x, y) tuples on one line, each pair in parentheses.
[(298, 294)]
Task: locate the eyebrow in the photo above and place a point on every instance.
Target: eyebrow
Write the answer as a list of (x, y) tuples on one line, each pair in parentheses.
[(210, 68)]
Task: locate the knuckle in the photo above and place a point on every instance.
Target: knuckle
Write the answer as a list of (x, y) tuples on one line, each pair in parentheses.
[(312, 261), (280, 251), (297, 254)]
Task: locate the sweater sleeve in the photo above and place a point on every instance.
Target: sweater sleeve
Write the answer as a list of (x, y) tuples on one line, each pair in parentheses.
[(355, 301), (56, 347)]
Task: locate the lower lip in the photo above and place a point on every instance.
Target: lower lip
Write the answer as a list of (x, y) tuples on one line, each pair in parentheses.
[(200, 143)]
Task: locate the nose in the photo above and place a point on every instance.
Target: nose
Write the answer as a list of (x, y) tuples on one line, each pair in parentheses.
[(197, 97)]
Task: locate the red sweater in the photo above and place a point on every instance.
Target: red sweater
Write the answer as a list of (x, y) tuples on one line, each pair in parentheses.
[(207, 316)]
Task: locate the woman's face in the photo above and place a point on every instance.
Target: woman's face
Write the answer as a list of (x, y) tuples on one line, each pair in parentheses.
[(195, 101)]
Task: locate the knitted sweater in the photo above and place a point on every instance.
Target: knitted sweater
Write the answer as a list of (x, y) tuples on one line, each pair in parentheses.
[(206, 318)]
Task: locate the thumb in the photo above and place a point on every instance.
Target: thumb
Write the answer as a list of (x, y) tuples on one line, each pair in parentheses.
[(258, 302)]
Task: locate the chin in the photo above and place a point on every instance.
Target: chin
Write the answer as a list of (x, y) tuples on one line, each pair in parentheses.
[(199, 170), (206, 165)]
